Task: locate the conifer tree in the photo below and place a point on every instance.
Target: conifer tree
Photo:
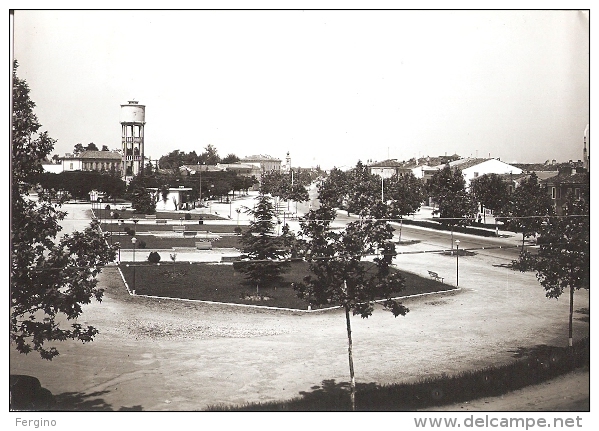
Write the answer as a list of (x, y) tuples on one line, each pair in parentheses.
[(264, 250)]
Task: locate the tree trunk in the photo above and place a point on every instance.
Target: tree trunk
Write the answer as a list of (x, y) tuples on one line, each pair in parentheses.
[(351, 361), (571, 313)]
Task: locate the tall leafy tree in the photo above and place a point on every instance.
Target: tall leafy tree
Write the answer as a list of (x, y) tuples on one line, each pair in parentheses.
[(78, 148), (333, 189), (527, 208), (455, 205), (141, 198), (491, 191), (50, 278), (339, 274), (264, 250), (230, 158), (404, 195), (91, 147), (563, 261)]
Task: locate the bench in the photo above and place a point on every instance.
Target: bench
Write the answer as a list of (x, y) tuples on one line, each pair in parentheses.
[(189, 233), (150, 216), (435, 276), (161, 220), (178, 228)]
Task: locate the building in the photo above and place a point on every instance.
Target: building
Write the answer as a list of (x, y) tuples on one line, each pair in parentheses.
[(176, 198), (391, 167), (267, 163), (133, 120), (54, 168), (474, 167), (569, 180), (100, 161)]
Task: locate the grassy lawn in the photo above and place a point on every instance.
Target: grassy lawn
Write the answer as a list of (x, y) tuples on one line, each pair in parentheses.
[(222, 283)]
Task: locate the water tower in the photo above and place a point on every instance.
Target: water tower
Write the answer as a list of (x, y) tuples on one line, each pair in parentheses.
[(133, 119)]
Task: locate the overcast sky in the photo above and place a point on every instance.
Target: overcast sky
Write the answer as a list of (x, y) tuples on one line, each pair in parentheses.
[(330, 87)]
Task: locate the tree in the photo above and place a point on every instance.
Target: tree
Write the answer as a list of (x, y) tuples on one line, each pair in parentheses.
[(78, 149), (491, 191), (142, 200), (563, 260), (105, 148), (332, 191), (230, 158), (456, 206), (209, 156), (50, 278), (264, 250), (527, 208), (339, 274), (91, 147), (404, 195)]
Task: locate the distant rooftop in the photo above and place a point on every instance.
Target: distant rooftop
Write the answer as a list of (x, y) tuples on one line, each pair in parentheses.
[(263, 157)]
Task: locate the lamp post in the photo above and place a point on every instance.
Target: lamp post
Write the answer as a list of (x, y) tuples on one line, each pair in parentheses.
[(457, 263), (135, 221), (238, 210), (111, 218), (134, 240), (121, 222)]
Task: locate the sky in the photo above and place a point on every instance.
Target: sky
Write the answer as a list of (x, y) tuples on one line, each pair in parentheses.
[(330, 87)]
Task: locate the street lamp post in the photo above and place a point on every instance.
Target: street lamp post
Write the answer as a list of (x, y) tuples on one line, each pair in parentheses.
[(111, 218), (134, 240), (457, 263), (121, 222)]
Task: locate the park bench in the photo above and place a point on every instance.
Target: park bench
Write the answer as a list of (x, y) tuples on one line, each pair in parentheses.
[(190, 233), (435, 276), (161, 220), (178, 228), (150, 216)]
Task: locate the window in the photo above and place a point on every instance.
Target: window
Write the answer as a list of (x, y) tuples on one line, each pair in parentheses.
[(559, 193), (71, 166), (553, 193)]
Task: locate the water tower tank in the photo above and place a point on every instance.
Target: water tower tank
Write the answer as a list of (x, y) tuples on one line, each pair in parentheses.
[(133, 112)]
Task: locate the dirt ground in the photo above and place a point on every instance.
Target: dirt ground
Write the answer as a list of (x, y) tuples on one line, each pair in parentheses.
[(164, 355)]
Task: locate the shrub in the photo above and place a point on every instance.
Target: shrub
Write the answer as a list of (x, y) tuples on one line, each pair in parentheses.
[(237, 230), (154, 257), (115, 215), (187, 216), (142, 244)]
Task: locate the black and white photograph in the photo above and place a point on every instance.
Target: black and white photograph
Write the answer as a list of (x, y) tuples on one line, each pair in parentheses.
[(300, 210)]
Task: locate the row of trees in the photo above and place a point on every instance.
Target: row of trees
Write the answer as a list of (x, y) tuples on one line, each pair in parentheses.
[(78, 184), (209, 156)]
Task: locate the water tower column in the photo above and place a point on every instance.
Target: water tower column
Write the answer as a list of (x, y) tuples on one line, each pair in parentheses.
[(132, 133)]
